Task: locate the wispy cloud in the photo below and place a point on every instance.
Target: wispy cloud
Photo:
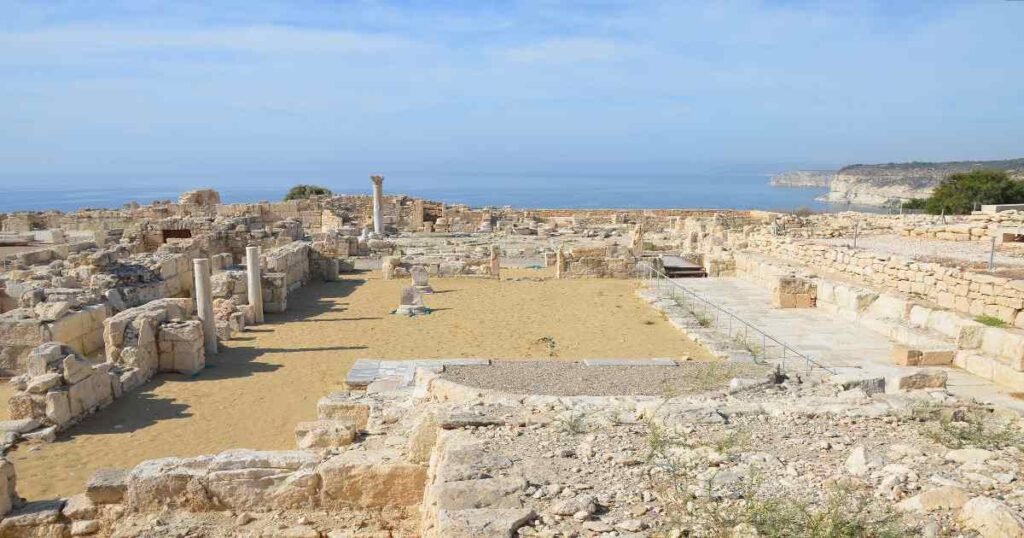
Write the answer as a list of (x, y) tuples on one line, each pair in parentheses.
[(563, 51), (94, 86), (264, 39)]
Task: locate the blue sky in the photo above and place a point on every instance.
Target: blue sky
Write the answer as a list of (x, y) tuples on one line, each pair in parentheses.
[(102, 89)]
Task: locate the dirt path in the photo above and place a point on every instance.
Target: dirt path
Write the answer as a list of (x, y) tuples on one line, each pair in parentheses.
[(253, 393)]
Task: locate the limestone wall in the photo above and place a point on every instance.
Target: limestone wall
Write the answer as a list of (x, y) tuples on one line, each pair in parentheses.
[(609, 262), (963, 291), (137, 342), (61, 387), (943, 335), (400, 267), (80, 328)]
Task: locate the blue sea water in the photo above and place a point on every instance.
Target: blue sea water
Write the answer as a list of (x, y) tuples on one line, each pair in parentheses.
[(697, 190)]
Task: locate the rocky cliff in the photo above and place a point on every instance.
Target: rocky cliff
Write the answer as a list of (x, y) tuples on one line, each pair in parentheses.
[(803, 178), (878, 184)]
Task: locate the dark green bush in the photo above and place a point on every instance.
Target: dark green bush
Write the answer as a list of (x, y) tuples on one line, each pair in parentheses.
[(301, 192), (960, 193)]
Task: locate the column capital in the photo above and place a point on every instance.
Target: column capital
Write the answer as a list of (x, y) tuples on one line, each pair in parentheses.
[(377, 180)]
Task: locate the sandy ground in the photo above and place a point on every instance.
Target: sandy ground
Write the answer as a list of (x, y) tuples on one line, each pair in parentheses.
[(253, 393)]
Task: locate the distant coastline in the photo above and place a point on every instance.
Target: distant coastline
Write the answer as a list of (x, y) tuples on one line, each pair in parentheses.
[(688, 190), (803, 179)]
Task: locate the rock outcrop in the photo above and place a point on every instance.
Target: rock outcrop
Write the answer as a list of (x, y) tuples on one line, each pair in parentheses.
[(803, 178), (878, 184)]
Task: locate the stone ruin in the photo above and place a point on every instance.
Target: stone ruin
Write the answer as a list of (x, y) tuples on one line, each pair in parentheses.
[(433, 457), (421, 279), (411, 303)]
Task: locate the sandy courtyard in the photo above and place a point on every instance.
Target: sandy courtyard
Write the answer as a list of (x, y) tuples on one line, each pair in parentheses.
[(253, 393)]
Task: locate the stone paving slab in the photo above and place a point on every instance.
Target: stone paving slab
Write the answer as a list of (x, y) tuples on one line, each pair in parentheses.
[(829, 339), (365, 371)]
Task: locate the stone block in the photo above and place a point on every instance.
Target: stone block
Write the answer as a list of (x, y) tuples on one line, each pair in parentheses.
[(250, 479), (920, 380), (45, 358), (42, 383), (107, 486), (24, 405), (371, 479), (58, 407), (76, 369), (341, 406), (324, 434)]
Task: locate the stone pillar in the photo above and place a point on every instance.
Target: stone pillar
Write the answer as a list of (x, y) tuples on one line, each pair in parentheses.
[(255, 283), (495, 262), (378, 210), (204, 303), (559, 262)]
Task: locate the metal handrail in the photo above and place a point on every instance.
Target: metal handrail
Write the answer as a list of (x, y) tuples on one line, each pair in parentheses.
[(658, 276)]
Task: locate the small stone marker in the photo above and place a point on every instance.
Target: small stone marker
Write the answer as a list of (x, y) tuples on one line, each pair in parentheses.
[(420, 279), (411, 303)]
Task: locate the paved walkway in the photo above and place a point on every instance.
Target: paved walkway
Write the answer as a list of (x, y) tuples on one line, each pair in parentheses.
[(829, 339)]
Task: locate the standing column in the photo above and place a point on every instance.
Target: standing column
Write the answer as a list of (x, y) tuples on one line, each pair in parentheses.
[(378, 209), (255, 283), (204, 303)]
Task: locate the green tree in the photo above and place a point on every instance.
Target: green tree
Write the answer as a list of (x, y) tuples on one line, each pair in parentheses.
[(959, 193), (301, 192)]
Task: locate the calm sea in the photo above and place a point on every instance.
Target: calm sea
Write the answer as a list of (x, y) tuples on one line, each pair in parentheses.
[(718, 191)]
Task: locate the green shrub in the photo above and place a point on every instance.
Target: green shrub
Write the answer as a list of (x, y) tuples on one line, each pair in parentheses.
[(301, 192), (915, 203), (991, 321), (959, 193)]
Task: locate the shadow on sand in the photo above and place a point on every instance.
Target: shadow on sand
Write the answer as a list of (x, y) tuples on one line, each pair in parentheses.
[(124, 416)]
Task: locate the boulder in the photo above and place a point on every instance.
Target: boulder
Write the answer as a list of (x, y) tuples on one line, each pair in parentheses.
[(969, 455), (861, 462), (943, 498), (991, 518)]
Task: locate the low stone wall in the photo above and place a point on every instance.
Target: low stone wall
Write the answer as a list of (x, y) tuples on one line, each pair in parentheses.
[(610, 262), (978, 227), (158, 336), (395, 267), (291, 261), (81, 329), (62, 387), (955, 289)]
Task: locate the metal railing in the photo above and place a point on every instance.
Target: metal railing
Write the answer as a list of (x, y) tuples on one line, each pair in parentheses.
[(761, 345)]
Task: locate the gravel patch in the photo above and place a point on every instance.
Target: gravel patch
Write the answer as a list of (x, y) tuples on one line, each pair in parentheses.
[(562, 378)]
